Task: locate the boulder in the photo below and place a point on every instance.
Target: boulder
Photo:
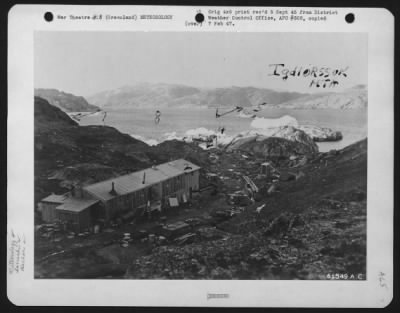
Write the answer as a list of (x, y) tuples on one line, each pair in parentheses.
[(283, 142), (272, 147), (320, 134)]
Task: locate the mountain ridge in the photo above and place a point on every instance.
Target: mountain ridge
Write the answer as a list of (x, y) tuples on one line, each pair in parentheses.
[(351, 98), (174, 95)]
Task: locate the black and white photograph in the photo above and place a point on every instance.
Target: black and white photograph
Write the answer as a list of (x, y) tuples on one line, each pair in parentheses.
[(200, 156)]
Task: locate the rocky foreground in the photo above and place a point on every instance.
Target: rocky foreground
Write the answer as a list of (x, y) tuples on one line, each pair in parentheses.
[(308, 220), (313, 227)]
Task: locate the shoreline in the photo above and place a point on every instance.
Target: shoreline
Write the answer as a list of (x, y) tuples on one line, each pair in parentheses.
[(176, 123)]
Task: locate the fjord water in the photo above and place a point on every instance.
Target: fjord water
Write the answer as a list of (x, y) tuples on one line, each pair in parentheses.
[(140, 122)]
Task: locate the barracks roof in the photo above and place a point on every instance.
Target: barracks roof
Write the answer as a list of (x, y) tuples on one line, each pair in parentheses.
[(134, 181)]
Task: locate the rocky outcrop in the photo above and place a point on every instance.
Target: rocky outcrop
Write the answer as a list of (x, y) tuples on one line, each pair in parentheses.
[(282, 143), (296, 135), (320, 134), (271, 147), (165, 151)]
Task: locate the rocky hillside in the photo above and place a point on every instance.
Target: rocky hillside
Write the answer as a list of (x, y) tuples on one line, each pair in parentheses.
[(313, 227), (46, 114), (65, 101)]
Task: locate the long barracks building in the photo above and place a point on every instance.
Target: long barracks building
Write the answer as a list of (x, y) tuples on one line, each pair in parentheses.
[(130, 193)]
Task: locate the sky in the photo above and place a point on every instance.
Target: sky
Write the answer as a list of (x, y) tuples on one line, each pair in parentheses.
[(84, 63)]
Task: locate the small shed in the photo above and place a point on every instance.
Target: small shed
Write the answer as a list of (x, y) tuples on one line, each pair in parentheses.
[(47, 207), (76, 213)]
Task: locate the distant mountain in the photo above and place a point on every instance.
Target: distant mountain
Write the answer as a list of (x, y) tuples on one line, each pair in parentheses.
[(353, 98), (169, 95), (65, 101), (172, 95), (142, 95)]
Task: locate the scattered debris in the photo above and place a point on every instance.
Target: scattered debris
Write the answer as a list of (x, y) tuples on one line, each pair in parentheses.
[(152, 238), (126, 240), (221, 215), (250, 184), (185, 239), (299, 175), (209, 233), (267, 169), (52, 254), (287, 176), (283, 224), (258, 209), (175, 229), (334, 204), (236, 210), (273, 188), (238, 198), (194, 221)]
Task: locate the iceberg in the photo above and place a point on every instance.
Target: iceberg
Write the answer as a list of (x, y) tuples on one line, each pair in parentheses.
[(265, 123)]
